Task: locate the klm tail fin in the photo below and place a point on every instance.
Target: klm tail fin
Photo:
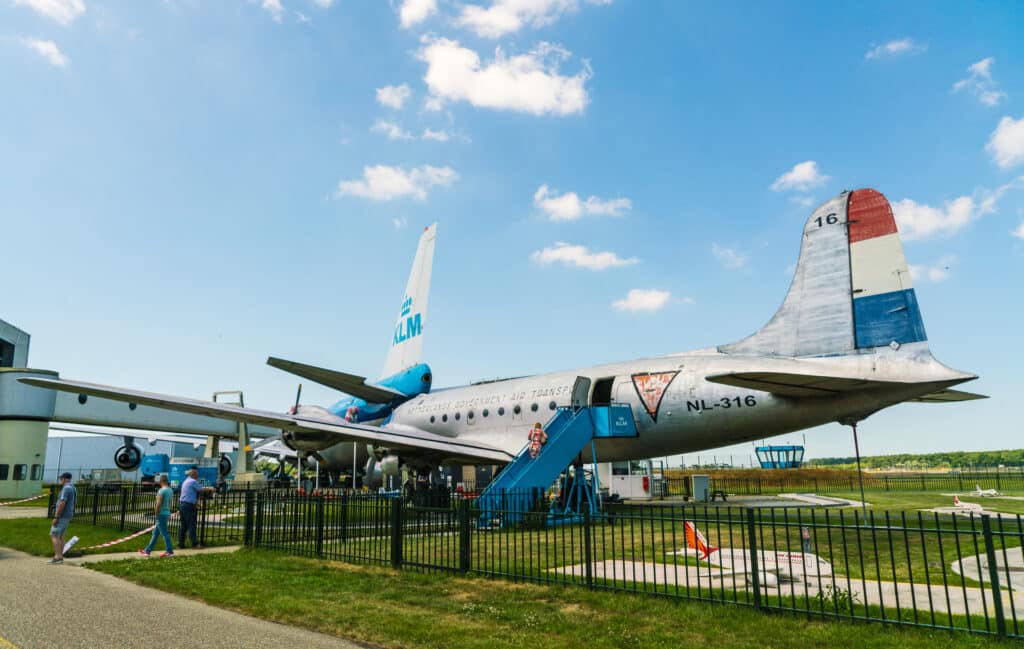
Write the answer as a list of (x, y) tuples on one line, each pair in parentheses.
[(407, 341), (852, 289)]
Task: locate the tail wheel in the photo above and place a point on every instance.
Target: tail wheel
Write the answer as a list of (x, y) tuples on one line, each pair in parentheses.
[(128, 458), (224, 467)]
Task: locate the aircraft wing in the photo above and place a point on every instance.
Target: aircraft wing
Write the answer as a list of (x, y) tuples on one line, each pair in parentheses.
[(149, 436), (946, 396), (324, 431), (347, 383)]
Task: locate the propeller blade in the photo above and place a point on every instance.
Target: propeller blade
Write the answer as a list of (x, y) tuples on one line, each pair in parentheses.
[(298, 395)]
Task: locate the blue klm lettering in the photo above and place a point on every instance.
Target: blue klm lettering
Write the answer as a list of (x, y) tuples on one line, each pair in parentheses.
[(411, 328)]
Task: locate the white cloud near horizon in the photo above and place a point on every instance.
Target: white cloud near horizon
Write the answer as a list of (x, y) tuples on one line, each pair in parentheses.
[(274, 8), (802, 177), (981, 84), (323, 4), (394, 96), (395, 132), (568, 254), (413, 12), (526, 83), (48, 50), (507, 16), (729, 257), (642, 300), (1019, 232), (919, 221), (569, 207), (1006, 144), (384, 183), (895, 48), (60, 11)]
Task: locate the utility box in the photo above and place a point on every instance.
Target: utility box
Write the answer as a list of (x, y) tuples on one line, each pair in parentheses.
[(700, 488)]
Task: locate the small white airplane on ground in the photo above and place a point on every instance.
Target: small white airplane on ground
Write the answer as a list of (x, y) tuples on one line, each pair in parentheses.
[(971, 508), (848, 341), (978, 491), (772, 565)]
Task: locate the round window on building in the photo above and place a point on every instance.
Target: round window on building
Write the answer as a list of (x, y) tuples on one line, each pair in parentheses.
[(518, 409)]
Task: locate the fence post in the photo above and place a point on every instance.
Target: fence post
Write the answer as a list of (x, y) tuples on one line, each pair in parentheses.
[(396, 532), (259, 518), (319, 526), (755, 576), (993, 573), (124, 505), (464, 544), (95, 504), (247, 525), (587, 550), (998, 482), (51, 501), (203, 498)]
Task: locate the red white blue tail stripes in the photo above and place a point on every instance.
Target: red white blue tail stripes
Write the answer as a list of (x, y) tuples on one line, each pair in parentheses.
[(884, 304)]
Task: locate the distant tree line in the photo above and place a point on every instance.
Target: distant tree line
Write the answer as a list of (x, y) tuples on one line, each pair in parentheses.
[(945, 460)]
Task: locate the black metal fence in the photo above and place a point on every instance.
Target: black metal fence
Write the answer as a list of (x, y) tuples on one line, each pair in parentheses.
[(797, 480), (957, 572)]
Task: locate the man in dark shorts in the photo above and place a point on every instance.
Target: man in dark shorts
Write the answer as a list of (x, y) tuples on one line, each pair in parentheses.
[(62, 515)]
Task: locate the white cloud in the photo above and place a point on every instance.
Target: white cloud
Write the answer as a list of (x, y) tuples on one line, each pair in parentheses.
[(895, 48), (580, 257), (506, 16), (436, 136), (801, 177), (302, 18), (413, 12), (61, 11), (730, 257), (569, 207), (1006, 145), (936, 272), (1019, 232), (393, 96), (980, 83), (272, 7), (639, 299), (383, 183), (803, 201), (392, 130), (323, 4), (528, 83), (918, 221), (399, 222), (48, 50)]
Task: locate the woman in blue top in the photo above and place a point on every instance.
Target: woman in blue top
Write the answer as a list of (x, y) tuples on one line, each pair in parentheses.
[(163, 514)]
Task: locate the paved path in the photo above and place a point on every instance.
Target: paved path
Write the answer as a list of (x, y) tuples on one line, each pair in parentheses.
[(70, 606), (22, 512)]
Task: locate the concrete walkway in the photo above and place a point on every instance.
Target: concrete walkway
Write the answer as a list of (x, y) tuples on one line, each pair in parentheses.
[(69, 606)]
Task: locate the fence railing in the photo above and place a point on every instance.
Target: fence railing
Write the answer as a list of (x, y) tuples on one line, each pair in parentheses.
[(796, 481), (958, 572)]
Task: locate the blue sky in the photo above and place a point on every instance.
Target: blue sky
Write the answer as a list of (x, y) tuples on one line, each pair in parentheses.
[(187, 187)]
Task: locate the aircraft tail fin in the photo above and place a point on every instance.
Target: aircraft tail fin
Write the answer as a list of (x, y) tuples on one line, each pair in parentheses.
[(696, 541), (956, 500), (851, 289), (407, 341)]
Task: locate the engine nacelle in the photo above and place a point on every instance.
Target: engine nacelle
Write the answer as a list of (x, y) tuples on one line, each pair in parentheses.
[(390, 465), (128, 457), (224, 466)]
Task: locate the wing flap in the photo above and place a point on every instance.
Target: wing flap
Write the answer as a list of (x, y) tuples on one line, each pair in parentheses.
[(347, 383), (794, 385), (325, 432)]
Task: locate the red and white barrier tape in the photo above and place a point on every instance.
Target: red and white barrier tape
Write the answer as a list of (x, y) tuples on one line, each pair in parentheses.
[(23, 500), (126, 538)]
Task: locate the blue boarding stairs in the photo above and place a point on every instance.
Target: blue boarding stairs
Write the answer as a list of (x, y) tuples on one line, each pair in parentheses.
[(517, 488)]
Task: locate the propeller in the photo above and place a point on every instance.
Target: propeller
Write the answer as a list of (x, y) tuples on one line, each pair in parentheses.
[(298, 395)]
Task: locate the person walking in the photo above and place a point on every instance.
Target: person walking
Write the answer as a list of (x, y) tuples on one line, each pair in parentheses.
[(62, 516), (187, 503), (805, 538), (163, 514), (537, 438)]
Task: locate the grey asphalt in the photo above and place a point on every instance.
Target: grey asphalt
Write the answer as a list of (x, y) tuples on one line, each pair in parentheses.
[(69, 606)]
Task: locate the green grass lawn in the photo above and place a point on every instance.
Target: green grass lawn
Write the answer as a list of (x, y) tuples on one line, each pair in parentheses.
[(32, 535), (411, 609)]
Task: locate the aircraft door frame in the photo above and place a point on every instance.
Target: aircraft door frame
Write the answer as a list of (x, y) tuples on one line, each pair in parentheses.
[(580, 393)]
